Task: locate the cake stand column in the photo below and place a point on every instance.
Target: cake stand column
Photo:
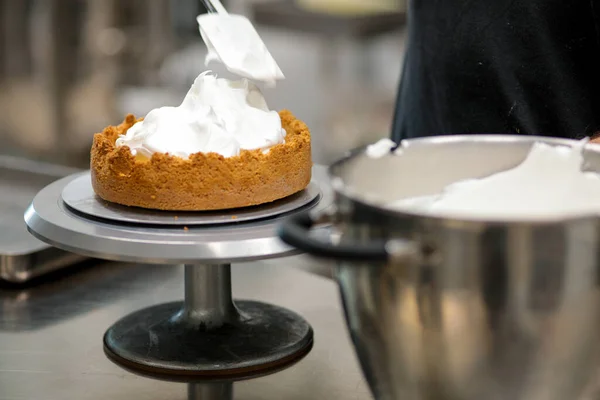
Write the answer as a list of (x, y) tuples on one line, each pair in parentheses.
[(210, 391), (208, 301)]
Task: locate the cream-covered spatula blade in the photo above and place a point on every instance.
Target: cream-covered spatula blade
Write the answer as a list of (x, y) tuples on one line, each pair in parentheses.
[(233, 40)]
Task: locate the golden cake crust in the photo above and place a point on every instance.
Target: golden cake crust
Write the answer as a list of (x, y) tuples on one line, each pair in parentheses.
[(204, 181)]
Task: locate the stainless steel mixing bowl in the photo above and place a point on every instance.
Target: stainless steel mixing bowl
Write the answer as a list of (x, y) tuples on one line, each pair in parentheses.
[(456, 309)]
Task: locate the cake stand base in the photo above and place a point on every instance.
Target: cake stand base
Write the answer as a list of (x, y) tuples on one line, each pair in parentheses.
[(208, 335)]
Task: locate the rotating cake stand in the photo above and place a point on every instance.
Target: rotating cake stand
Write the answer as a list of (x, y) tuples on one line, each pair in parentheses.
[(208, 334)]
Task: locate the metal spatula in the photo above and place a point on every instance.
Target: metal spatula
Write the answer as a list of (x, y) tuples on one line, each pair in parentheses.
[(233, 40)]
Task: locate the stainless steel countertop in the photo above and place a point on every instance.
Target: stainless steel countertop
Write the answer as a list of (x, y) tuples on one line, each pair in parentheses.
[(51, 334)]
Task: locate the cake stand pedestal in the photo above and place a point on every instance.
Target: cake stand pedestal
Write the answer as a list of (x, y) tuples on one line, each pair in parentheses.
[(217, 391), (207, 335)]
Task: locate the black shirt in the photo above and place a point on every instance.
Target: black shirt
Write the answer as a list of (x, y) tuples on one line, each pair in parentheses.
[(501, 66)]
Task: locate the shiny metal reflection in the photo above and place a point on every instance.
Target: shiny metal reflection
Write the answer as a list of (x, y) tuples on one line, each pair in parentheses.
[(506, 310)]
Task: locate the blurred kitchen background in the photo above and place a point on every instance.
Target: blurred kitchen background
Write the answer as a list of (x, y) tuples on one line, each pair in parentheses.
[(70, 67)]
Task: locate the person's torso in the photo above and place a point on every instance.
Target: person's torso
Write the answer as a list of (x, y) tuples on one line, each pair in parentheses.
[(501, 66)]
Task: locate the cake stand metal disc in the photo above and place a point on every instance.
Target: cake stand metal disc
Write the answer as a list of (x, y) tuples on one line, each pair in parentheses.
[(49, 219), (156, 341), (79, 195)]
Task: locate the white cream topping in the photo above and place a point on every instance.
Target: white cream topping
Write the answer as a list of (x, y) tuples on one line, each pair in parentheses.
[(380, 148), (232, 40), (217, 116), (550, 183)]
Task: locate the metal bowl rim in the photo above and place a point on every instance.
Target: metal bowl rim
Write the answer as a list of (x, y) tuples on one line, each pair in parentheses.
[(342, 192)]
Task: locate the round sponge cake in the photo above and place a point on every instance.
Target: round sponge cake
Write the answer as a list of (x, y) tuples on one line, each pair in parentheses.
[(202, 182)]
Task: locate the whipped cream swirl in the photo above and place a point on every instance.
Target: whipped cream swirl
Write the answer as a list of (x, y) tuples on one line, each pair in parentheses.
[(217, 116), (549, 183)]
